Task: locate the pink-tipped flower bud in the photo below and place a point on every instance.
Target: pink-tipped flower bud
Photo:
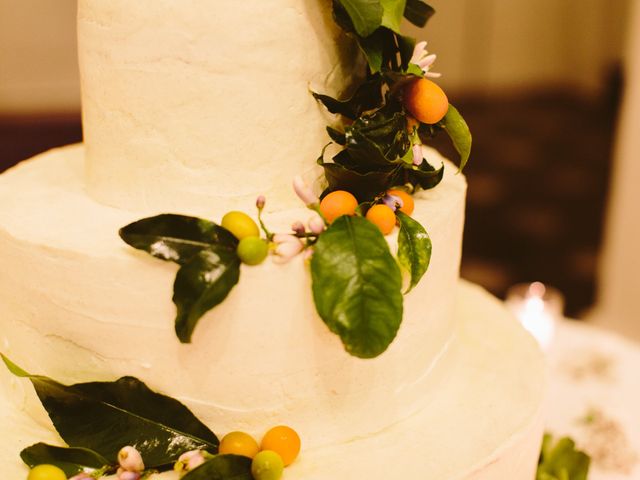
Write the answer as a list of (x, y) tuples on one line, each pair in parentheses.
[(304, 192), (417, 154), (130, 460), (260, 202), (316, 224), (298, 227), (393, 202), (192, 459), (82, 476)]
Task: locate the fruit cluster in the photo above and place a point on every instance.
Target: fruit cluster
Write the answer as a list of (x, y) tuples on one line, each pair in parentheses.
[(252, 249), (279, 448), (382, 214)]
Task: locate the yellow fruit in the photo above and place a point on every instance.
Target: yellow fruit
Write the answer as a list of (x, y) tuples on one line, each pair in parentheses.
[(284, 441), (407, 200), (426, 101), (338, 203), (46, 472), (239, 443), (382, 217), (240, 225)]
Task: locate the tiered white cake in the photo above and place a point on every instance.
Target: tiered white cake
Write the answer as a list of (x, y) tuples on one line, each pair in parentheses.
[(197, 108)]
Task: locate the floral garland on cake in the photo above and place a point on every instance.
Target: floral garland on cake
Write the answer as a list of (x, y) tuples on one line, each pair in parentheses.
[(380, 130)]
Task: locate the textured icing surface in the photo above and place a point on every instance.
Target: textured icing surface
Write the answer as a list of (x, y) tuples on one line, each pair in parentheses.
[(481, 422), (193, 103), (97, 308)]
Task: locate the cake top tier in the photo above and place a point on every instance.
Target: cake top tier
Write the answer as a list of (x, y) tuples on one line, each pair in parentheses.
[(192, 105)]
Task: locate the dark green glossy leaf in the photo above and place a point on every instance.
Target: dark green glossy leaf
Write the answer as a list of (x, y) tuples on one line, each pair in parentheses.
[(373, 48), (365, 15), (365, 186), (393, 11), (367, 97), (562, 461), (378, 140), (71, 460), (222, 467), (406, 46), (105, 416), (357, 286), (459, 133), (414, 248), (424, 176), (418, 12), (176, 237), (201, 284), (336, 135)]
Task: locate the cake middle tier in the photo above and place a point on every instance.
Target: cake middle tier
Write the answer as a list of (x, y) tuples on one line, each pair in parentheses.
[(193, 103), (78, 303)]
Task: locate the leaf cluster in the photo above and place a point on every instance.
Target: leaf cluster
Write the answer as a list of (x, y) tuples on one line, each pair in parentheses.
[(376, 135), (206, 253), (375, 24), (97, 419), (357, 283), (562, 461)]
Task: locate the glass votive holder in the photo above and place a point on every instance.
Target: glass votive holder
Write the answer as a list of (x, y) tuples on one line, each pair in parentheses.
[(538, 307)]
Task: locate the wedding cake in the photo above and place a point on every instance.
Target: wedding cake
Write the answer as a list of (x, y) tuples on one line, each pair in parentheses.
[(195, 107)]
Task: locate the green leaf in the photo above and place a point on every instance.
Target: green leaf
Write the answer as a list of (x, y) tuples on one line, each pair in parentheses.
[(105, 416), (176, 237), (357, 286), (222, 467), (365, 186), (365, 15), (71, 460), (378, 140), (418, 12), (562, 461), (414, 248), (373, 48), (366, 97), (423, 176), (393, 10), (336, 135), (406, 46), (201, 284), (459, 133)]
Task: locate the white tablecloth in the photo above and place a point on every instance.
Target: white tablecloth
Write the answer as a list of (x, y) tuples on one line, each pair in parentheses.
[(594, 397)]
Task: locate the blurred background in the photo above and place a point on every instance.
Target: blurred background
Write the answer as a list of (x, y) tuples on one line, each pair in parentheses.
[(540, 83)]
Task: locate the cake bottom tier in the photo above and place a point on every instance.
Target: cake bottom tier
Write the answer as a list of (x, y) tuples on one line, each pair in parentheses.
[(483, 422)]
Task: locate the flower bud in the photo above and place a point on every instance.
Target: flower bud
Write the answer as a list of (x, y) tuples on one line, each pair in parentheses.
[(316, 224), (393, 202), (260, 201), (192, 459), (82, 476), (298, 227), (304, 192), (417, 154), (130, 460)]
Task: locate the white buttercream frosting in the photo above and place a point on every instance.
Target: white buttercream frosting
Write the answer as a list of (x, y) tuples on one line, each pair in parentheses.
[(189, 104)]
